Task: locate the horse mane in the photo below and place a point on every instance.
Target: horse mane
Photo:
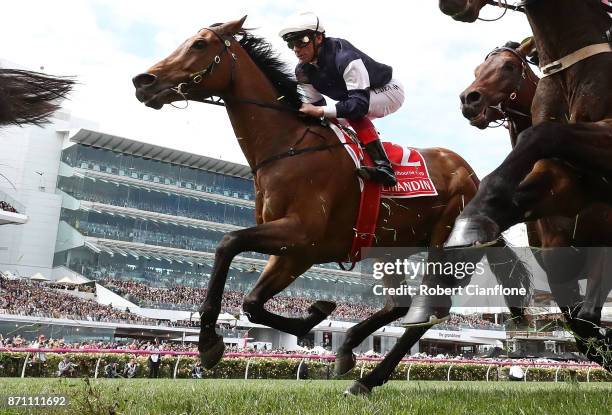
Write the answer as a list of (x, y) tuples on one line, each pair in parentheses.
[(273, 67), (28, 97), (533, 57)]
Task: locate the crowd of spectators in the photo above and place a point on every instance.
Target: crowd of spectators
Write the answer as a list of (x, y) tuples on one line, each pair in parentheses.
[(23, 297), (72, 287), (468, 321), (232, 300), (7, 207)]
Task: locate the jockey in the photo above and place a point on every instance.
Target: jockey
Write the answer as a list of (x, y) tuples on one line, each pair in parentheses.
[(363, 88)]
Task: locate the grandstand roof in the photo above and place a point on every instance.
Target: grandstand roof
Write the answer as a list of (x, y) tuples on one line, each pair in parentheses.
[(154, 152)]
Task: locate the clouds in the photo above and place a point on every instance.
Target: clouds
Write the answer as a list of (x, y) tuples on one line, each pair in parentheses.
[(107, 42)]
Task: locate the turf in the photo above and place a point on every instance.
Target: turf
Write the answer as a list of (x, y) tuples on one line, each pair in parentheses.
[(165, 396)]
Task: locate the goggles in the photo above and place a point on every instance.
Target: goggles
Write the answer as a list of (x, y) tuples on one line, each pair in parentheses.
[(299, 41)]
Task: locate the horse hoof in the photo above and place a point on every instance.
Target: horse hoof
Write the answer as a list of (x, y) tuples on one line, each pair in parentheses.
[(323, 307), (344, 363), (212, 353), (477, 231), (357, 389)]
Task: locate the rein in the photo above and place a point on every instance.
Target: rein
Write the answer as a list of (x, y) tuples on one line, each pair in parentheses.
[(295, 152), (197, 77)]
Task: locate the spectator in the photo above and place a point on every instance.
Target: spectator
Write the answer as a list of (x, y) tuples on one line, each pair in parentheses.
[(196, 370), (40, 343), (66, 368), (516, 373), (7, 207), (154, 359), (110, 370), (129, 371)]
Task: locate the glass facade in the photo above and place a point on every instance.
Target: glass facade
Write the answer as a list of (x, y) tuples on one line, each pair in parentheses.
[(152, 200), (154, 171), (151, 232), (70, 333)]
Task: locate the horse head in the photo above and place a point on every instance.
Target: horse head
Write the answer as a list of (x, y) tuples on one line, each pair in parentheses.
[(462, 10), (504, 82), (200, 67)]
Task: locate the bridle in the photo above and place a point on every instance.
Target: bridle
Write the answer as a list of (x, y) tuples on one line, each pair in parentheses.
[(197, 77), (504, 106)]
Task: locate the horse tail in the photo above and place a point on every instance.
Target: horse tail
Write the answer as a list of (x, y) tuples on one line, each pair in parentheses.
[(28, 97), (511, 272)]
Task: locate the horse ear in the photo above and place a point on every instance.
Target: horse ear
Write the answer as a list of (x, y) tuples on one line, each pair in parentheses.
[(527, 47), (231, 28), (529, 51)]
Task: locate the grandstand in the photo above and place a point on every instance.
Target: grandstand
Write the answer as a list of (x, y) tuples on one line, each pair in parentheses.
[(129, 231)]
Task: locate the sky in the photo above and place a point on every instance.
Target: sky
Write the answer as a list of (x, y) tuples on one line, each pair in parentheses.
[(104, 43)]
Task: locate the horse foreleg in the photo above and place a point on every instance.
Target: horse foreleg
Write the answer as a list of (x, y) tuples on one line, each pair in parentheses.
[(382, 372), (345, 359), (280, 273), (587, 146), (598, 286), (273, 238)]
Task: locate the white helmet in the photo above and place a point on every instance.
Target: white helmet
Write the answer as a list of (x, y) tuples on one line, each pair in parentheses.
[(301, 22)]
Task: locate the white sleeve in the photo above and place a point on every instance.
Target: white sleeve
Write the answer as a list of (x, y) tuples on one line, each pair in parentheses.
[(356, 75), (310, 94)]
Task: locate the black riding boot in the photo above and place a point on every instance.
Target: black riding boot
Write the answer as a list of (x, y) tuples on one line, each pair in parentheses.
[(382, 171)]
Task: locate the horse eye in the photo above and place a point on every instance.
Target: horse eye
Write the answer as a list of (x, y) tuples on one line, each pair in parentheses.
[(198, 44)]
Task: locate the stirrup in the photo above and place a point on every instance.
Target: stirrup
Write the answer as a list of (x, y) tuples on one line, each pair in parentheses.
[(377, 174)]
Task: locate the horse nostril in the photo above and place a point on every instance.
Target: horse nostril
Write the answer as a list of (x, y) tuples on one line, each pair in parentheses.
[(473, 98), (144, 80)]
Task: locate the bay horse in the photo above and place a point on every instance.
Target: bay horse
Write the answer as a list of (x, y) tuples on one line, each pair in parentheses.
[(572, 113), (307, 191), (503, 90), (28, 97)]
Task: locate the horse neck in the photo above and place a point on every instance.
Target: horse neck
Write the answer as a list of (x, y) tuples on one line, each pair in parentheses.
[(561, 27), (524, 99), (261, 132), (517, 124)]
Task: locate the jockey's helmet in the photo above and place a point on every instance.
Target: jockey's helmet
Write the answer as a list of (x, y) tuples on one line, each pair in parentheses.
[(298, 24)]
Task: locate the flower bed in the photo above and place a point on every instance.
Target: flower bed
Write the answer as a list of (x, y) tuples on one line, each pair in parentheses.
[(11, 365)]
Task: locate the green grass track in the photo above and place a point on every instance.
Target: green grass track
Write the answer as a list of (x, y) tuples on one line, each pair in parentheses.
[(165, 396)]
